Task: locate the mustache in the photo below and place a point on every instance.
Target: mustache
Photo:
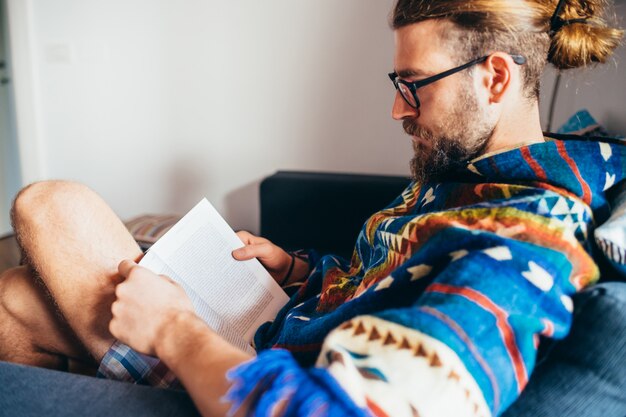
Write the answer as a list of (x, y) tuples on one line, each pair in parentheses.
[(413, 129), (409, 126)]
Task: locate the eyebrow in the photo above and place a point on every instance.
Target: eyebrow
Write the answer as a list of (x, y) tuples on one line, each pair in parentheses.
[(407, 73)]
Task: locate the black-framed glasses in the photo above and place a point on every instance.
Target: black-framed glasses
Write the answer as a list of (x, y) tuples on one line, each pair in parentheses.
[(408, 90)]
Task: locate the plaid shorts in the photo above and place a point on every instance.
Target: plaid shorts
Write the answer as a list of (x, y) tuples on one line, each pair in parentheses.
[(121, 363)]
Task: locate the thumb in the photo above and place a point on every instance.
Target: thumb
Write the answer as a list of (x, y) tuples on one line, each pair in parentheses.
[(242, 254), (125, 267)]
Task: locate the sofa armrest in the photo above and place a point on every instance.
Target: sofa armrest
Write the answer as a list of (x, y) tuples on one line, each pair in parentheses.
[(322, 211)]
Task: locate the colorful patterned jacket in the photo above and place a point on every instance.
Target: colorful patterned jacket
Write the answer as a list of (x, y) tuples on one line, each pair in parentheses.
[(441, 309)]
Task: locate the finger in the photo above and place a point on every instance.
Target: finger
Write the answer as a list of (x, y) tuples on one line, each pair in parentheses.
[(125, 267), (113, 328), (246, 253), (264, 249), (259, 250), (250, 239), (245, 236), (120, 290), (115, 309), (242, 254)]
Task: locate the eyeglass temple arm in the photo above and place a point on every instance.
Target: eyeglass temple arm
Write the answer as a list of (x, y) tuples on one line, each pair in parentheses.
[(518, 59), (444, 74)]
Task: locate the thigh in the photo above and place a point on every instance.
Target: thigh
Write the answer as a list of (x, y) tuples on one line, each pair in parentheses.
[(74, 242), (31, 332), (585, 374), (30, 392)]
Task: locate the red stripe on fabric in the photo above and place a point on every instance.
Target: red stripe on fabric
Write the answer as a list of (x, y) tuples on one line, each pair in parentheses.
[(299, 348), (374, 408), (548, 328), (468, 342), (560, 145), (541, 174), (506, 331)]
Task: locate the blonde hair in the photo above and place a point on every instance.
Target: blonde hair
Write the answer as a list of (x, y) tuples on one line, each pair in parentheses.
[(480, 27)]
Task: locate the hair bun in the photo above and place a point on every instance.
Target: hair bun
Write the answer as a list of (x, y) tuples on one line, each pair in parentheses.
[(577, 42)]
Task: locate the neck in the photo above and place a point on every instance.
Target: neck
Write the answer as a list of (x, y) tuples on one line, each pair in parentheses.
[(516, 128)]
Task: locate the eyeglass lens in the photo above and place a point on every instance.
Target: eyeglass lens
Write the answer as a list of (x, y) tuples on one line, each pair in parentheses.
[(407, 95)]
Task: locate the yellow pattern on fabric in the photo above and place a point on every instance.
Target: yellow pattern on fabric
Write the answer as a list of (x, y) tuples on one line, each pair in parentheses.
[(399, 246)]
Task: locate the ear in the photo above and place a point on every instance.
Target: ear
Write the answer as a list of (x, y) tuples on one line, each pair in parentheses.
[(497, 76)]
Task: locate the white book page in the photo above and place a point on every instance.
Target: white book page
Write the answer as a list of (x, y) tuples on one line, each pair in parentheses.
[(233, 297)]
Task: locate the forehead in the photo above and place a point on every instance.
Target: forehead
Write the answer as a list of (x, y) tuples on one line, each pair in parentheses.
[(419, 48)]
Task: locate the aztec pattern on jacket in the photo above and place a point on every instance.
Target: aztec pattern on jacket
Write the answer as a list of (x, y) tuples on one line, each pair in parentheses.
[(440, 310)]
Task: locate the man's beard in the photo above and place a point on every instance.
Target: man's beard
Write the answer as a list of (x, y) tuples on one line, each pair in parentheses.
[(462, 135)]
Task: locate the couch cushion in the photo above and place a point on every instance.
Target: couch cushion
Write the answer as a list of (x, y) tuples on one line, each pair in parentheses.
[(147, 229)]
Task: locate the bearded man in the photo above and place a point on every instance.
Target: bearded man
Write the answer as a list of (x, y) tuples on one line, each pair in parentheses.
[(441, 308)]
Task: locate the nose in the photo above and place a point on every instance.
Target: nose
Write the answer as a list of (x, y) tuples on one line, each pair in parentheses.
[(401, 109)]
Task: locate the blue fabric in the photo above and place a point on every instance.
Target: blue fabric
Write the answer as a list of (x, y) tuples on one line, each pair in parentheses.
[(581, 376), (578, 121), (582, 122), (311, 393), (549, 188)]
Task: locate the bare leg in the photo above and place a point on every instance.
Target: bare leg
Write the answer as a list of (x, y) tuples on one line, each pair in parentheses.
[(74, 242), (31, 331)]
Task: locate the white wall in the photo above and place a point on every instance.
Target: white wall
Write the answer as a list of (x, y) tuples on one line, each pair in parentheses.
[(9, 159), (155, 103)]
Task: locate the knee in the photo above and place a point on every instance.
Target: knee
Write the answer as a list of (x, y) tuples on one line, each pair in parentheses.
[(43, 200)]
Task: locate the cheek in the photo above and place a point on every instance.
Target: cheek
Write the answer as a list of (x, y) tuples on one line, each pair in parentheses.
[(436, 109), (439, 97), (428, 102)]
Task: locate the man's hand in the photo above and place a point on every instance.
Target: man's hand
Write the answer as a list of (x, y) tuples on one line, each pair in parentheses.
[(145, 303), (272, 257)]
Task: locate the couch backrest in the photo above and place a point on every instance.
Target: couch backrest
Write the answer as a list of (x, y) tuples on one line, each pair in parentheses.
[(322, 211)]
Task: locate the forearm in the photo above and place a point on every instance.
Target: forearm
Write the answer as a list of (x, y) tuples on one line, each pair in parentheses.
[(200, 359)]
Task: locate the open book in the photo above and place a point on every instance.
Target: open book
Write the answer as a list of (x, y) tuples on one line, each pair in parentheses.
[(233, 297)]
